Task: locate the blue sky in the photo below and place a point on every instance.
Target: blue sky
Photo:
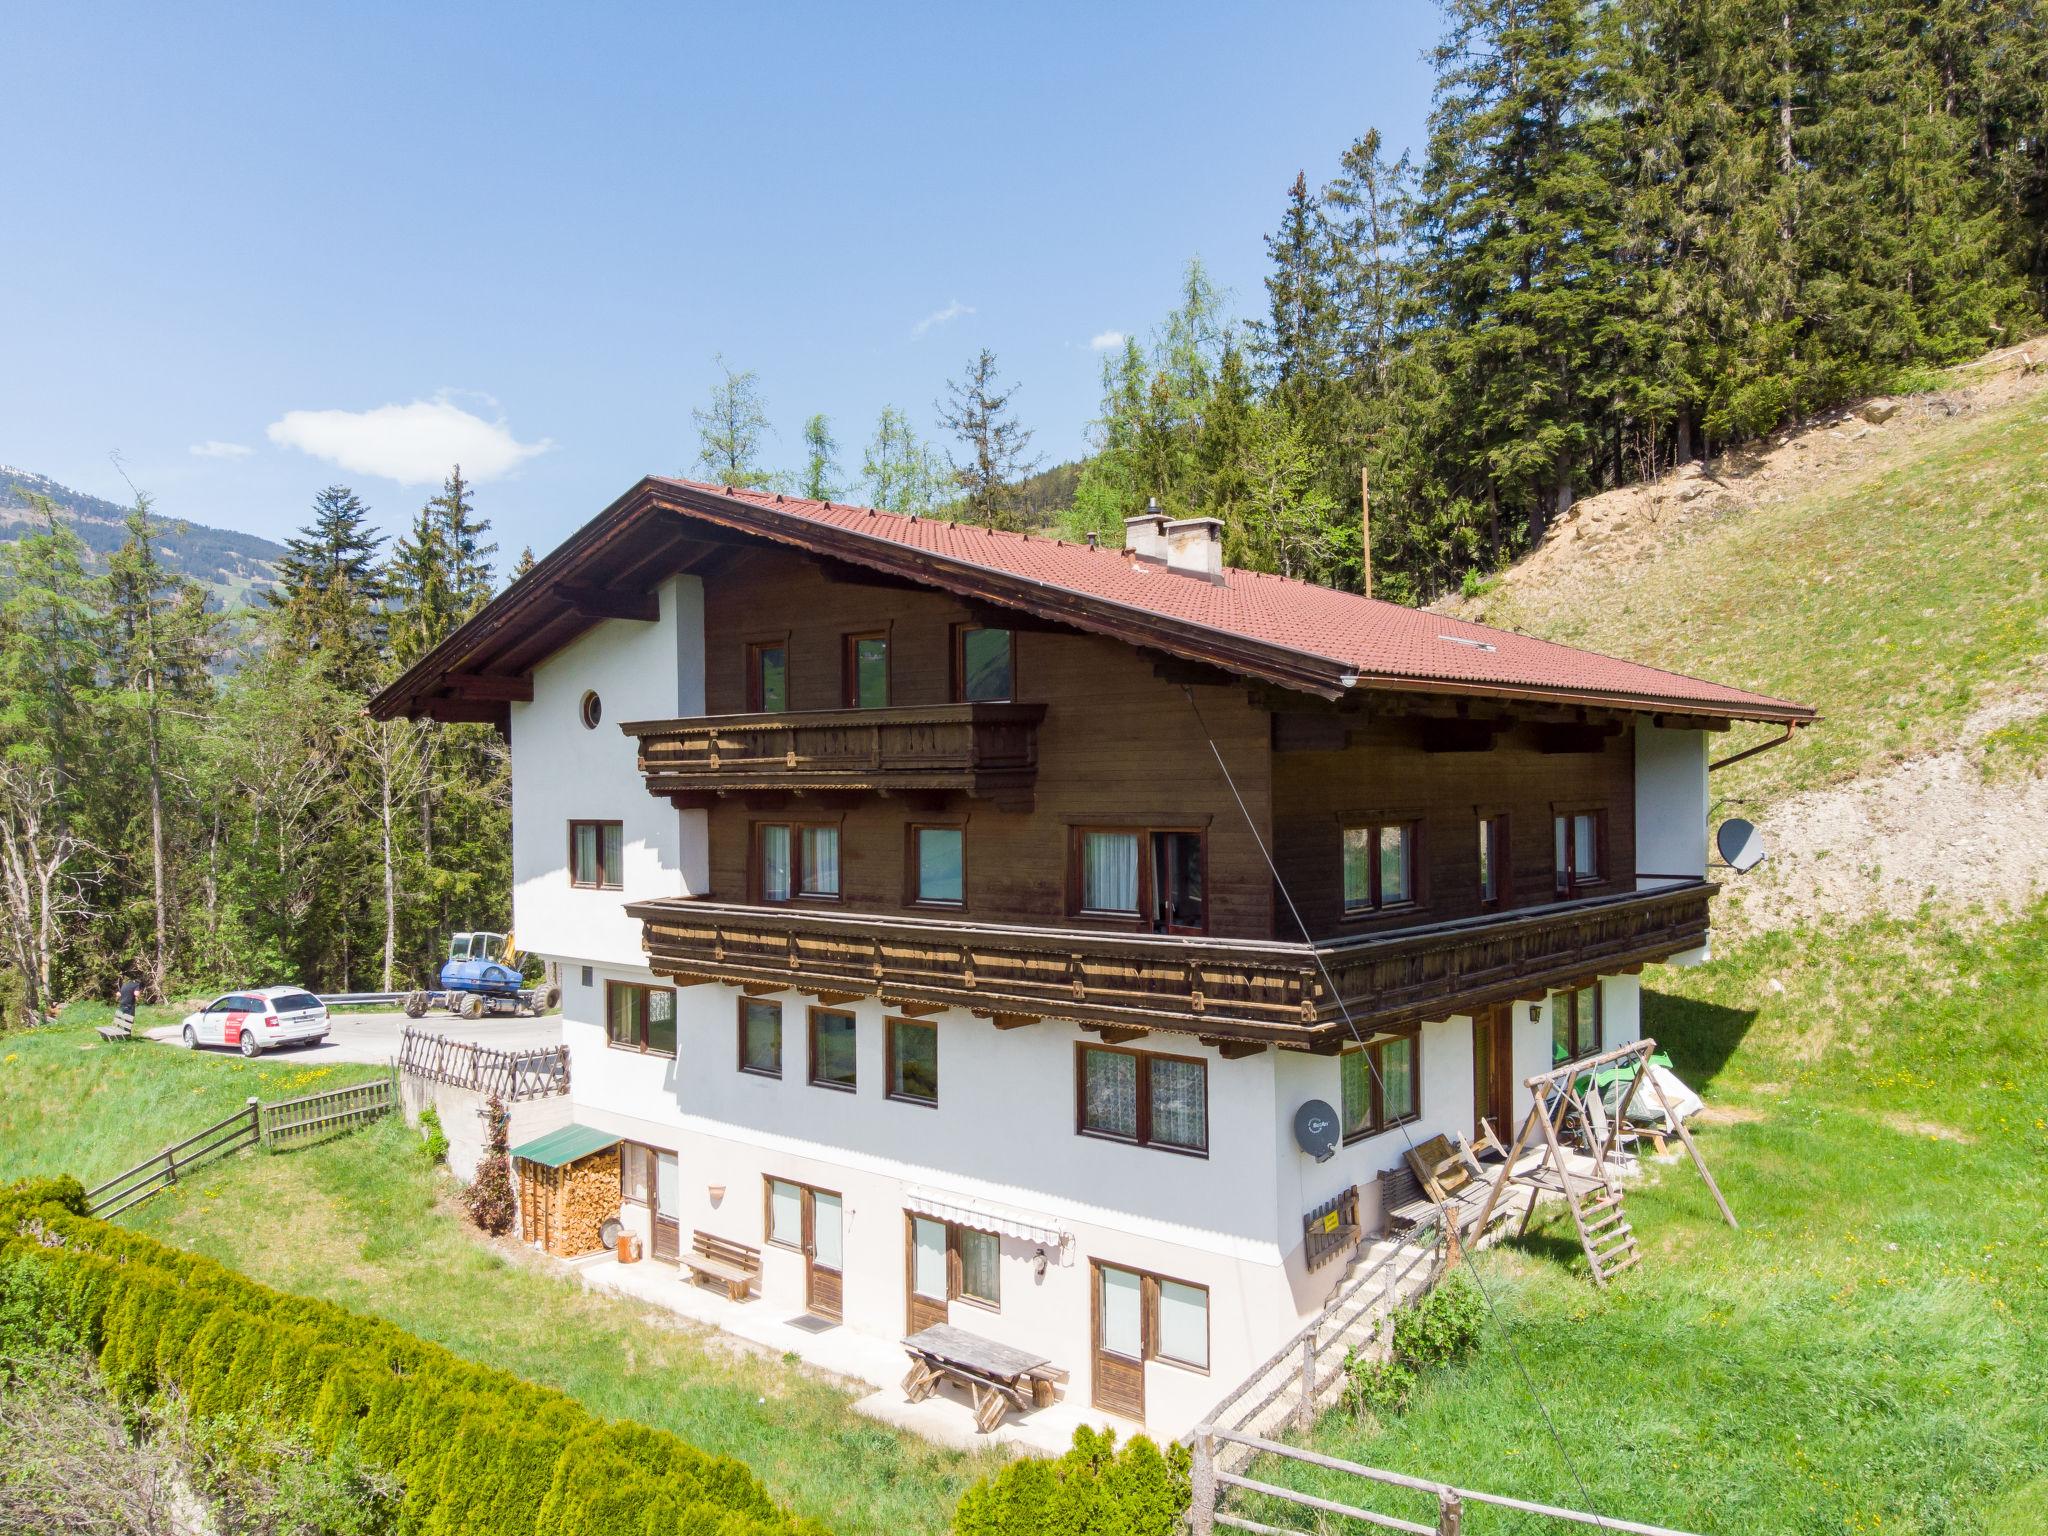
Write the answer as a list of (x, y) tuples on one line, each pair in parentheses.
[(254, 250)]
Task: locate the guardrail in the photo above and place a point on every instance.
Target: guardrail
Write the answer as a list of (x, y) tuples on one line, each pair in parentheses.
[(511, 1075), (362, 999)]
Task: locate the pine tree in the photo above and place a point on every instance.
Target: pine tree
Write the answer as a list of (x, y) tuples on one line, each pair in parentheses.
[(732, 429), (821, 461), (977, 412)]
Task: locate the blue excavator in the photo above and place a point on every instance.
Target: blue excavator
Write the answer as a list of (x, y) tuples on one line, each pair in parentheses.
[(482, 975)]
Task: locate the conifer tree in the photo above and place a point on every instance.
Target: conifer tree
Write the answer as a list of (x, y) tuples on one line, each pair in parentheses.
[(732, 429), (821, 461), (329, 589), (462, 534), (977, 412)]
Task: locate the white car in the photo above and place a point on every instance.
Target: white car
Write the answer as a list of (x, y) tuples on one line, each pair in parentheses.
[(259, 1020)]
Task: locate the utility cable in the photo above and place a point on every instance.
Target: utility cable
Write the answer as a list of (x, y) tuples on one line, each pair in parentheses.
[(1493, 1312)]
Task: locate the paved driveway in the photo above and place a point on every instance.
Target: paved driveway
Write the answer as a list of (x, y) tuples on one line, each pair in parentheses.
[(373, 1036)]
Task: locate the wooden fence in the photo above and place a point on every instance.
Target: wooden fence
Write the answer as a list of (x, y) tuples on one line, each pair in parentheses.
[(287, 1123), (511, 1075)]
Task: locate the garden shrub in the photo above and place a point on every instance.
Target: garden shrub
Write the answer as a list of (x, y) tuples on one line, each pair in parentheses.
[(1093, 1490), (435, 1139), (1443, 1327), (464, 1448), (1376, 1389)]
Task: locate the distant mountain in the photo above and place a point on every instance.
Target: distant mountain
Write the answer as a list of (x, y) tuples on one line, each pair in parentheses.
[(237, 566)]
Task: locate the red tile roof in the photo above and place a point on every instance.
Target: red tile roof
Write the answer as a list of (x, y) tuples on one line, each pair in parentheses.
[(1375, 640)]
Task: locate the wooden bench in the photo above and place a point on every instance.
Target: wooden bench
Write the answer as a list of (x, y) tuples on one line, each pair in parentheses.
[(1454, 1178), (720, 1261), (1403, 1206), (116, 1032)]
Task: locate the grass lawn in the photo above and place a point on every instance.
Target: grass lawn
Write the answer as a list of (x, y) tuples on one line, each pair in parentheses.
[(1866, 1354), (363, 1221)]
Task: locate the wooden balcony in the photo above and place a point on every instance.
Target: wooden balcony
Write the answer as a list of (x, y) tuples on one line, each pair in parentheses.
[(986, 750), (1233, 993)]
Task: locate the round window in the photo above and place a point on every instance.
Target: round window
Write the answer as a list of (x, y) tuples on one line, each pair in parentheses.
[(592, 711)]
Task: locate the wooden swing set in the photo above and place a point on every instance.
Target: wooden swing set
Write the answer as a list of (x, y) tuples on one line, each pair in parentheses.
[(1594, 1198)]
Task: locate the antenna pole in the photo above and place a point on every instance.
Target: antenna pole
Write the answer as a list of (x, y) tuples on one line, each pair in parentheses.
[(1365, 523)]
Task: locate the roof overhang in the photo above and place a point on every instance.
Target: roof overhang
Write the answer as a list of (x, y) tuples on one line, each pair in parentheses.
[(661, 527)]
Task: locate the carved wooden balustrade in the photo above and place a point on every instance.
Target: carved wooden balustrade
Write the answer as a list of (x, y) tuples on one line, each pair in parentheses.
[(988, 750), (1229, 991)]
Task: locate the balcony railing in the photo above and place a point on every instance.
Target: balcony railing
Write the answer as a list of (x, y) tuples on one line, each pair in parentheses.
[(987, 750), (1227, 990)]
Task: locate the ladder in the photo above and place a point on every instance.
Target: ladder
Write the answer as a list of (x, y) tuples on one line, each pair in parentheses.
[(1595, 1202)]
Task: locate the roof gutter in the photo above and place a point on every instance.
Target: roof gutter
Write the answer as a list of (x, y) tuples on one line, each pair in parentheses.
[(1762, 746)]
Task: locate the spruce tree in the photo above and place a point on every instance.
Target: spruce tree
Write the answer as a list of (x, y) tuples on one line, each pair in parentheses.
[(977, 412), (462, 532), (329, 590)]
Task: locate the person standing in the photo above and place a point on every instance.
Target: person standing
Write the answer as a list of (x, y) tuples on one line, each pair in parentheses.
[(124, 1000)]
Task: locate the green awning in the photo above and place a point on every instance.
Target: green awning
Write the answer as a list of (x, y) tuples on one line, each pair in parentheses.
[(566, 1145)]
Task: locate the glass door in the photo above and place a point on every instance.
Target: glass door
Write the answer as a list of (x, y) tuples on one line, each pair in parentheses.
[(1119, 1384), (668, 1203), (927, 1274), (824, 1254)]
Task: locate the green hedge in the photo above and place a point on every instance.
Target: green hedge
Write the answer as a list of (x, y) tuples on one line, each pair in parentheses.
[(477, 1450), (1093, 1490)]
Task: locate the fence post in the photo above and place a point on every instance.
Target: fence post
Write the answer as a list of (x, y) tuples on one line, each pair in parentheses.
[(1202, 1478), (1450, 1218), (1306, 1415), (254, 1111), (1450, 1512)]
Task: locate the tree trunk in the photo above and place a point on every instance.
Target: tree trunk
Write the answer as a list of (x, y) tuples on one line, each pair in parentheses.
[(160, 963), (1684, 434), (390, 872)]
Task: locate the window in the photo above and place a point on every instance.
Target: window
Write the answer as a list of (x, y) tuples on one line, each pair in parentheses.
[(640, 1018), (597, 859), (867, 671), (760, 1037), (1382, 1084), (795, 860), (767, 677), (832, 1059), (785, 1224), (913, 1065), (1139, 1097), (1149, 1317), (1581, 850), (938, 865), (984, 665), (590, 710), (949, 1262), (1493, 859), (1575, 1024), (636, 1173), (1379, 866), (1158, 877)]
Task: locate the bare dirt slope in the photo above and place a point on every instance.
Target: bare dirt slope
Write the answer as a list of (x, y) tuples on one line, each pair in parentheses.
[(1885, 564)]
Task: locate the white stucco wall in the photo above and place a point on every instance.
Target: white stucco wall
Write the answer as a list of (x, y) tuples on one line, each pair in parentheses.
[(563, 772), (1671, 805)]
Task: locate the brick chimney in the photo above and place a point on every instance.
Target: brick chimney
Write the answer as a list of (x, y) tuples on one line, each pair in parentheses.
[(1145, 534), (1195, 545)]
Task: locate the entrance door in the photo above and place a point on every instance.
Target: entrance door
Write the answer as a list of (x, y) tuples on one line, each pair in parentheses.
[(668, 1203), (824, 1254), (1119, 1385), (927, 1274), (1493, 1054)]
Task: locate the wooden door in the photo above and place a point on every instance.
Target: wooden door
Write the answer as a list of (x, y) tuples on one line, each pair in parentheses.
[(926, 1274), (667, 1204), (1119, 1375), (1493, 1056), (824, 1254)]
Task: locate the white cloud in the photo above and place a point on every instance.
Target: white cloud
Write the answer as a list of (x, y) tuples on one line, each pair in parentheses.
[(952, 311), (1102, 341), (214, 449), (413, 444)]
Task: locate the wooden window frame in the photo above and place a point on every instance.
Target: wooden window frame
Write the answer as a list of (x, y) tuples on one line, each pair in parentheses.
[(768, 1237), (1148, 896), (1377, 1123), (1376, 823), (1143, 1138), (740, 1027), (1568, 998), (811, 1050), (959, 689), (631, 1199), (646, 1019), (756, 868), (1567, 884), (849, 667), (604, 882), (890, 1024), (1496, 829), (1148, 1314), (956, 1269), (756, 697), (913, 872)]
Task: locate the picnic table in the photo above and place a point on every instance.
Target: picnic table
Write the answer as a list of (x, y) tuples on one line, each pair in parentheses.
[(999, 1376)]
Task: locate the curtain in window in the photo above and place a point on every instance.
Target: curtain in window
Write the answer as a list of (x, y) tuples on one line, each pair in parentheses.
[(825, 1231), (661, 1020), (1123, 1312), (785, 1213), (1109, 871), (668, 1183), (1183, 1323), (614, 853), (636, 1173), (1397, 1078), (622, 1009), (980, 1254), (586, 853), (1586, 847), (775, 863), (821, 861), (1488, 889), (1396, 865), (1356, 1074), (1109, 1098), (928, 1257), (1357, 867), (1180, 1103), (1564, 858)]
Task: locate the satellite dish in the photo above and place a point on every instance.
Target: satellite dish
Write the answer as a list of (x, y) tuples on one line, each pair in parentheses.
[(1741, 845), (1315, 1130)]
